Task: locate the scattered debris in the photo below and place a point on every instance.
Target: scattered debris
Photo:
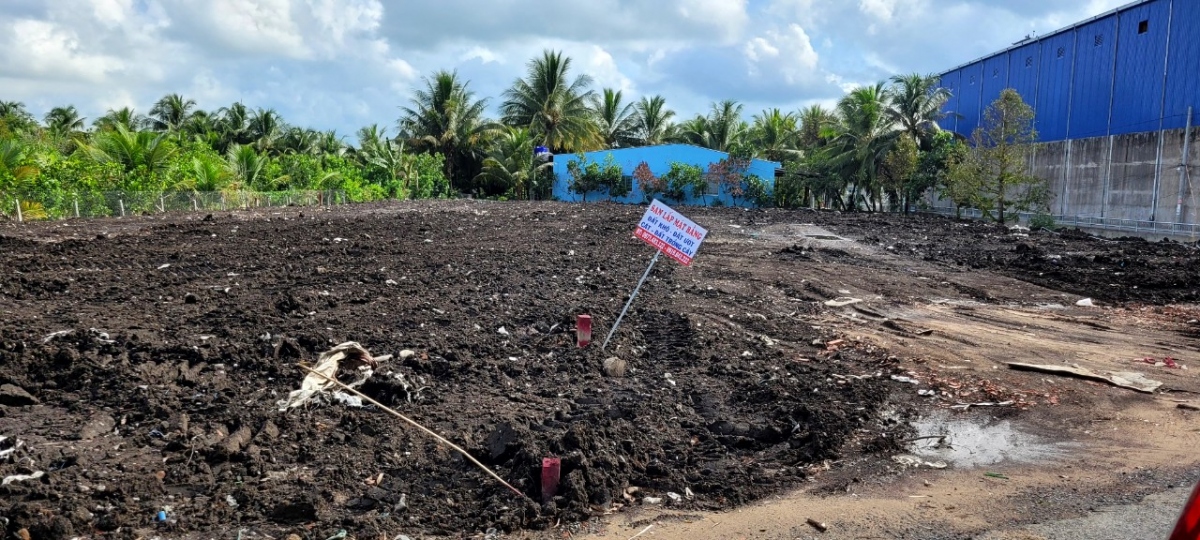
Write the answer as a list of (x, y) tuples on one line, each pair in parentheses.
[(1167, 362), (675, 497), (1188, 407), (1086, 302), (652, 500), (614, 367), (996, 475), (817, 525), (551, 468), (964, 406), (644, 531), (843, 301), (232, 502), (502, 331), (55, 335), (21, 477), (355, 357), (1129, 380), (906, 380), (329, 378), (916, 462)]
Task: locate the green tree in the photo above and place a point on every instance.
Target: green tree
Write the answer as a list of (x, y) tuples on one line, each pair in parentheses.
[(171, 112), (775, 135), (615, 119), (723, 129), (863, 139), (588, 176), (445, 117), (64, 121), (684, 179), (15, 119), (510, 167), (898, 171), (552, 105), (815, 123), (653, 122), (126, 117), (915, 104), (142, 155), (264, 128), (993, 175)]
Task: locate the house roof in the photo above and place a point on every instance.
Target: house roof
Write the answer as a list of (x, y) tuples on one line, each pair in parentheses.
[(776, 164)]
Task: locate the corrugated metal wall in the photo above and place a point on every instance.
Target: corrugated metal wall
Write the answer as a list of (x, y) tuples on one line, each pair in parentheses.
[(1134, 70)]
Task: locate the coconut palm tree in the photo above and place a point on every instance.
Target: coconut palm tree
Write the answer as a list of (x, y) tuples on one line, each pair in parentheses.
[(723, 129), (510, 166), (653, 121), (445, 117), (145, 152), (815, 123), (915, 103), (125, 116), (299, 141), (775, 135), (14, 118), (552, 105), (171, 112), (13, 163), (208, 174), (63, 121), (330, 144), (863, 139), (616, 120), (264, 129), (246, 166), (233, 125)]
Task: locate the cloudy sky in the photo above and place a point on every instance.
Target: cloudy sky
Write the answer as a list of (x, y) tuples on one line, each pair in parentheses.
[(342, 64)]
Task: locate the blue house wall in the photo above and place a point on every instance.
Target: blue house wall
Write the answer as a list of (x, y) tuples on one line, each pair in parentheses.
[(659, 159), (1130, 70)]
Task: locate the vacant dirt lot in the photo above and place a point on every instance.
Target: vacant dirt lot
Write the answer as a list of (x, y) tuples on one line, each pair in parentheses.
[(144, 360)]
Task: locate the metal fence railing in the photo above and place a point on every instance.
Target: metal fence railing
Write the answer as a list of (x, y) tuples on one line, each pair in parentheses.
[(130, 203), (1135, 226)]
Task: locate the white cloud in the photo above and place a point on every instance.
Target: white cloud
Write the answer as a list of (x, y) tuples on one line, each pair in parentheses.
[(44, 50), (788, 51)]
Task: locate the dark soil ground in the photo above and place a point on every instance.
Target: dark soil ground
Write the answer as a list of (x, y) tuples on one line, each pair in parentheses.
[(145, 359)]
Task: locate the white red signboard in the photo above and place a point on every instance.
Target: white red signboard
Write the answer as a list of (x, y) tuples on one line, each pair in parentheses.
[(670, 232)]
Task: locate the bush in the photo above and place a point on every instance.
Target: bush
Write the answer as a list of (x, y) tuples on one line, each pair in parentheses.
[(1042, 221)]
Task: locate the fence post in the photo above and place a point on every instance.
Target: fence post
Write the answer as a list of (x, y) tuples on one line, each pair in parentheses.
[(121, 203), (195, 205), (162, 204), (20, 218), (76, 207), (222, 202)]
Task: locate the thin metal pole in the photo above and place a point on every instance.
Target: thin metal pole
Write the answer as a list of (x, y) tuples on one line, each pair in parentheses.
[(1183, 168), (121, 202), (657, 254), (20, 218), (76, 207)]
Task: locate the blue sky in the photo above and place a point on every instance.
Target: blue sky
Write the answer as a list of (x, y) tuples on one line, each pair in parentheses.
[(343, 64)]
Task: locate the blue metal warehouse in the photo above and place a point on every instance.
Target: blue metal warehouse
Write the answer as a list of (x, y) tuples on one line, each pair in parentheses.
[(1134, 69)]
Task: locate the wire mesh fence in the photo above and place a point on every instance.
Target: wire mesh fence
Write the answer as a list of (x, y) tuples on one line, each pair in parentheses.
[(1135, 226), (132, 203)]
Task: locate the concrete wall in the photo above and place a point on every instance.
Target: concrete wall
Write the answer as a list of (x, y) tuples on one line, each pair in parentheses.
[(659, 159), (1120, 178)]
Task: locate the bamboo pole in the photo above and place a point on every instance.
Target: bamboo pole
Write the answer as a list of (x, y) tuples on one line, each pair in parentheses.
[(418, 426)]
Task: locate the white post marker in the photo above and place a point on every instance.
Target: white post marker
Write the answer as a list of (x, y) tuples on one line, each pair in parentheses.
[(669, 232)]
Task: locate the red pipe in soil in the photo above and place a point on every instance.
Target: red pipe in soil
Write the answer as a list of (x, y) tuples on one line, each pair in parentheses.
[(550, 470), (583, 330), (1188, 527)]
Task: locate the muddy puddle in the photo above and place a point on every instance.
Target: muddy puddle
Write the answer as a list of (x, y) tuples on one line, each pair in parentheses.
[(977, 441)]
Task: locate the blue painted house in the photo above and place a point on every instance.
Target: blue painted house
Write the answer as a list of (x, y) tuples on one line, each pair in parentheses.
[(659, 159)]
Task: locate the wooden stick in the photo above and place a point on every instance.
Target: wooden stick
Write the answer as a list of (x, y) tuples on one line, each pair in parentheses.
[(644, 531), (418, 426)]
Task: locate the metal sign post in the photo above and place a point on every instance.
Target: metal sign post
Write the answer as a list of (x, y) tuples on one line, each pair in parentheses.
[(668, 232)]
